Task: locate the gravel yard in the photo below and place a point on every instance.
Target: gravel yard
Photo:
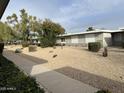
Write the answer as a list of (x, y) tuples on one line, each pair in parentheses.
[(88, 67)]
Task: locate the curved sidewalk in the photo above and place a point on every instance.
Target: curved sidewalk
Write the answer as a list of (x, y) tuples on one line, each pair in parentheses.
[(52, 80)]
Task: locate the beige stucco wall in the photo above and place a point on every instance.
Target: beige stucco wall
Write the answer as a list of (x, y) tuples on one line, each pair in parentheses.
[(89, 38), (99, 38), (68, 40), (103, 38), (81, 39), (74, 39), (107, 39), (58, 41)]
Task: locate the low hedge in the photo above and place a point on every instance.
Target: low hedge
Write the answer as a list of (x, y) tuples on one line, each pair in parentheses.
[(11, 77), (103, 91), (48, 42), (1, 47), (32, 48), (25, 44), (94, 46)]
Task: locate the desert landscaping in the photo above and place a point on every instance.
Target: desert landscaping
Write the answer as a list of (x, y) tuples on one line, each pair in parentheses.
[(80, 64), (61, 46)]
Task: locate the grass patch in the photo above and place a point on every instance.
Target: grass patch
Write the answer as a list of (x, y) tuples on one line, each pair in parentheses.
[(12, 80)]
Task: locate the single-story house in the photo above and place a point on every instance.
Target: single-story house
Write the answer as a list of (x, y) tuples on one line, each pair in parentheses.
[(34, 37), (105, 37), (118, 37)]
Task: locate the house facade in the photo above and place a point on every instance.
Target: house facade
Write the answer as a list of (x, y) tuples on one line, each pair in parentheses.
[(118, 38), (105, 37)]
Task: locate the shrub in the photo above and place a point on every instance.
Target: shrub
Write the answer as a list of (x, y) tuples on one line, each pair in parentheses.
[(103, 91), (11, 76), (46, 42), (1, 47), (25, 44), (94, 46), (32, 48)]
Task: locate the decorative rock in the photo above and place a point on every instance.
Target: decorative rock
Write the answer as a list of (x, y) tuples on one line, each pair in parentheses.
[(121, 77), (54, 56), (18, 50)]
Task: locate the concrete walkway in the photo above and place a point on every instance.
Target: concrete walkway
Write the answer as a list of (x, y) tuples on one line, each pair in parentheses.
[(52, 80)]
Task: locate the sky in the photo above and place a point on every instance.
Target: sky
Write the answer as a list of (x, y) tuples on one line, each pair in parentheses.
[(73, 15)]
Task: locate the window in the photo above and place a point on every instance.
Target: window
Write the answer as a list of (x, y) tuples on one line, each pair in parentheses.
[(62, 39)]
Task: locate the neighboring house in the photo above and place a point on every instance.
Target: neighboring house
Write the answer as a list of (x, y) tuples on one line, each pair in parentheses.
[(83, 38), (34, 37), (118, 37)]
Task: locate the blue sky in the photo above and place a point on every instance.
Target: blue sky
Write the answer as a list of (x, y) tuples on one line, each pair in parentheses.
[(73, 15)]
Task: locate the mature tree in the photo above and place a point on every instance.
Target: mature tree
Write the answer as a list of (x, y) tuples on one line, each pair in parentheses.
[(24, 20), (6, 33), (50, 32), (9, 19), (23, 25), (48, 26), (15, 25), (12, 20), (33, 23), (15, 22), (90, 29), (47, 29)]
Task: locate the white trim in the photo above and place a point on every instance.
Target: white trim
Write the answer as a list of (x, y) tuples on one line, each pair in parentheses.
[(92, 32)]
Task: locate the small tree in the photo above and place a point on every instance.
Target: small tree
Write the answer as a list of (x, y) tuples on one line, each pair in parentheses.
[(90, 29), (50, 30)]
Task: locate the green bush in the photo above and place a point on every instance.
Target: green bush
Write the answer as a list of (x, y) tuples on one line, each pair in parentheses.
[(12, 77), (103, 91), (1, 47), (94, 46), (46, 42), (25, 44), (32, 48)]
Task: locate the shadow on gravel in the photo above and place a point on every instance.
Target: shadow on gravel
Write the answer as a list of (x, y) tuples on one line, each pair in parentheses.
[(116, 50), (34, 59), (92, 79), (25, 62), (31, 58)]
